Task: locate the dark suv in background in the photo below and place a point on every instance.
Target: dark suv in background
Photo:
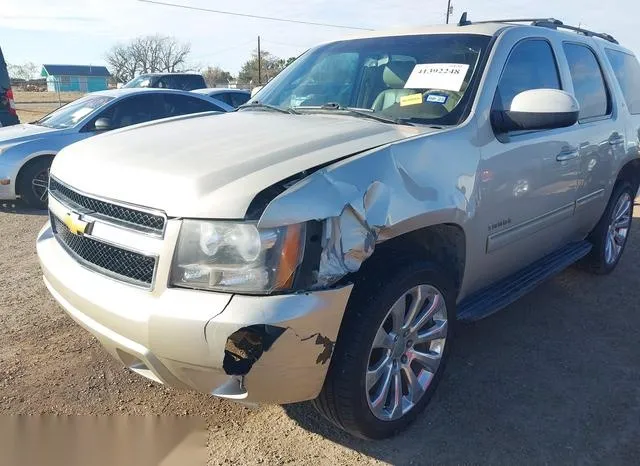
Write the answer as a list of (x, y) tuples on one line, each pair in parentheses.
[(181, 81), (8, 115)]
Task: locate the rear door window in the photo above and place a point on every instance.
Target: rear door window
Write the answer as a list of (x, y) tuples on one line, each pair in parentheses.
[(588, 82), (176, 105), (189, 82), (627, 70)]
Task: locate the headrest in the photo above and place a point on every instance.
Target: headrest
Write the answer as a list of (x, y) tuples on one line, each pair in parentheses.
[(396, 73)]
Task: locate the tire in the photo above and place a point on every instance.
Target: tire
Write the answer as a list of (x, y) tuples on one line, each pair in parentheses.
[(600, 260), (34, 172), (345, 399)]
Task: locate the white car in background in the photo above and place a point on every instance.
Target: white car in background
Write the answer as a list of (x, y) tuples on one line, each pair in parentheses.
[(26, 151)]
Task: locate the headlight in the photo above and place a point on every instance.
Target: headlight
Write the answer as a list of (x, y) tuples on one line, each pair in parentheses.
[(237, 257)]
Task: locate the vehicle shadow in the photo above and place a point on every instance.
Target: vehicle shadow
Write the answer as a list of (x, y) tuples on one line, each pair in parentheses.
[(19, 207), (552, 379)]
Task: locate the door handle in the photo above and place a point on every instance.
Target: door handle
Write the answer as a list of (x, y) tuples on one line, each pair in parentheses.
[(568, 153)]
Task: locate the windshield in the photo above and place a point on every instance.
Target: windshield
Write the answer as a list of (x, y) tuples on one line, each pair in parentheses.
[(421, 78), (140, 81), (71, 114)]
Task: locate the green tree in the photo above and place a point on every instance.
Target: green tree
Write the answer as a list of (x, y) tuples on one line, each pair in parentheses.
[(271, 66)]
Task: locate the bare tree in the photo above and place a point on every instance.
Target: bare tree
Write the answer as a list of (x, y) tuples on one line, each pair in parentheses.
[(215, 75), (26, 71), (147, 54)]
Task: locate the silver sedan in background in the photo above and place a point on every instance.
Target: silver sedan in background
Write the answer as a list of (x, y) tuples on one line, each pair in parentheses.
[(26, 151)]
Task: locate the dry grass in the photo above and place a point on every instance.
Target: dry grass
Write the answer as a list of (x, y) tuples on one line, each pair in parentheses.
[(34, 112), (45, 97)]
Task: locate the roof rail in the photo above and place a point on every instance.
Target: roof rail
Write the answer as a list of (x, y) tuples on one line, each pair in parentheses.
[(550, 23)]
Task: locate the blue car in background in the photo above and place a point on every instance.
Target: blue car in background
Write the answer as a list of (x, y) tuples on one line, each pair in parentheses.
[(27, 150)]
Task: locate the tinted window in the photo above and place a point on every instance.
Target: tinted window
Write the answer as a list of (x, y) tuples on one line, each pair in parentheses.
[(627, 71), (140, 81), (185, 105), (531, 65), (223, 96), (184, 82), (588, 83), (131, 111), (239, 98)]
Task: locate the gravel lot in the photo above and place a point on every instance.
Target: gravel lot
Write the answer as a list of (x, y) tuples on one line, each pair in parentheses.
[(553, 379)]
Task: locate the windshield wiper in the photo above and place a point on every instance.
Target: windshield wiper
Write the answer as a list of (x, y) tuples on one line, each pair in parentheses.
[(275, 108), (359, 112)]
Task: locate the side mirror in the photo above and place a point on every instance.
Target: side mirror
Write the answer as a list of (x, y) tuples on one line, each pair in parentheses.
[(103, 124), (255, 90), (537, 109)]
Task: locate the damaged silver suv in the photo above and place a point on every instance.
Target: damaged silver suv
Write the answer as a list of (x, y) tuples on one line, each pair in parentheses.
[(320, 242)]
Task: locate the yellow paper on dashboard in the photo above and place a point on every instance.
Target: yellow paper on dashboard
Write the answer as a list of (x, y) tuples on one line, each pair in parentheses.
[(413, 99)]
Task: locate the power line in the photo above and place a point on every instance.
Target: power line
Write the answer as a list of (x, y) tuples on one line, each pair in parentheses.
[(268, 18), (226, 49), (297, 46)]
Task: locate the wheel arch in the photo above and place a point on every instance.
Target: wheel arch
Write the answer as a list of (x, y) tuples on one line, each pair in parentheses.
[(28, 162), (443, 243), (630, 172)]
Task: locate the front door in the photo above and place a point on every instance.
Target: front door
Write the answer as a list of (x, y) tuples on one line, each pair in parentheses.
[(527, 180)]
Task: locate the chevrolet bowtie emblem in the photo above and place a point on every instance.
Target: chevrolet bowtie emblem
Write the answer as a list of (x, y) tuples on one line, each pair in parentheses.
[(76, 225)]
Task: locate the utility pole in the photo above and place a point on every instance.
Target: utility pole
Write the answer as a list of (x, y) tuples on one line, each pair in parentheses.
[(448, 10), (259, 64)]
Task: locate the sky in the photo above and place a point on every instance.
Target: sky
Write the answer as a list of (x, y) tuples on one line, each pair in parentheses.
[(81, 31)]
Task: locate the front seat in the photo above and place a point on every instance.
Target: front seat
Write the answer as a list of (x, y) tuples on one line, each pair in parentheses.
[(395, 76)]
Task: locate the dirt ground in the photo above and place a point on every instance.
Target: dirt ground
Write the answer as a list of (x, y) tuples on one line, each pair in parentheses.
[(32, 106), (49, 97), (553, 379)]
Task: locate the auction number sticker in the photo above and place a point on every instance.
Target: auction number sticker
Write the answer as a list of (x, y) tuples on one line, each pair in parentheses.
[(445, 76)]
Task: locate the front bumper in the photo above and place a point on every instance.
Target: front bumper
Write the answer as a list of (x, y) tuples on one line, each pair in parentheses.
[(7, 183), (273, 349)]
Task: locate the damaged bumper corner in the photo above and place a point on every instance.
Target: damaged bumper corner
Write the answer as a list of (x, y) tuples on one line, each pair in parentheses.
[(278, 348), (272, 349)]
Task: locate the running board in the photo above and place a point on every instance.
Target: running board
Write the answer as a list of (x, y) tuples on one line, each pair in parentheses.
[(498, 296)]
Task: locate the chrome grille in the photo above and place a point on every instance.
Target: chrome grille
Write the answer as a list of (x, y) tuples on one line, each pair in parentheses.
[(113, 261), (133, 218)]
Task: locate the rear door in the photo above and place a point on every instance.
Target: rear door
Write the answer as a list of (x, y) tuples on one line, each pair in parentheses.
[(626, 69), (600, 136)]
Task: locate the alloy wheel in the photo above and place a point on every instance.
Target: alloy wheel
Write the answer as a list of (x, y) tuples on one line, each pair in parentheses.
[(406, 352), (40, 185), (618, 228)]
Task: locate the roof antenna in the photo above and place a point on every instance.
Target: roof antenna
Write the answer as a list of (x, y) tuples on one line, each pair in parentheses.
[(463, 20)]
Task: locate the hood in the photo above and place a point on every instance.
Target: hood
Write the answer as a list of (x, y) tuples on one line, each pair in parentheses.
[(213, 166), (17, 134)]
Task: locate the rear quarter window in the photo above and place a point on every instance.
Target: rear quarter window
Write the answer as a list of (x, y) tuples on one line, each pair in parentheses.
[(239, 98), (627, 71)]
